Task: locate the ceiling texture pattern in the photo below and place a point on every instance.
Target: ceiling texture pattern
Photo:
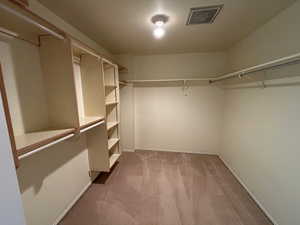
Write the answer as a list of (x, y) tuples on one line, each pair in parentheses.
[(124, 26)]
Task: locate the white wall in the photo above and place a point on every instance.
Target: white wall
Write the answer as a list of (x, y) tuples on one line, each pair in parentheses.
[(11, 210), (50, 180), (167, 120), (261, 144), (262, 126), (162, 117), (127, 118), (190, 65), (277, 38)]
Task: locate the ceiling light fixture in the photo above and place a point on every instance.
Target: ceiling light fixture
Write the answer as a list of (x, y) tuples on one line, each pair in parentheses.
[(159, 21), (159, 32)]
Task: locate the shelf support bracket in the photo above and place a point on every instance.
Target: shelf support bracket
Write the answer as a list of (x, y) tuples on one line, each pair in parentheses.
[(185, 88)]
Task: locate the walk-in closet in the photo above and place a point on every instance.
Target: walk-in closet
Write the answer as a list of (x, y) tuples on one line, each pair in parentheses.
[(141, 112)]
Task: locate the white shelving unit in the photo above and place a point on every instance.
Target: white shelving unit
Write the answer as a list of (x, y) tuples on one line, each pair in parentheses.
[(111, 82), (111, 125), (113, 159), (59, 89), (38, 114), (112, 142), (89, 87)]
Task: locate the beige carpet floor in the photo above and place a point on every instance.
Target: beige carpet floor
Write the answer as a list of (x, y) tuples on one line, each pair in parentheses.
[(161, 188)]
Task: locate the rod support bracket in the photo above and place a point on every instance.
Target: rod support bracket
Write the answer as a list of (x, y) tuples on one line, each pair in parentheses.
[(185, 88)]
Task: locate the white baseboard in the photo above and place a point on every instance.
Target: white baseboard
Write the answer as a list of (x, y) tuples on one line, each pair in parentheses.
[(174, 150), (248, 190), (72, 204)]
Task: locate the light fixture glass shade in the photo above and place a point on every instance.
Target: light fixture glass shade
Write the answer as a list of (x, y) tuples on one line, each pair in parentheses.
[(158, 32), (159, 23)]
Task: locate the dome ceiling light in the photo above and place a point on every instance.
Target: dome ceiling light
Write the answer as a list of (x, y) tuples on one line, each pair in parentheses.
[(159, 21)]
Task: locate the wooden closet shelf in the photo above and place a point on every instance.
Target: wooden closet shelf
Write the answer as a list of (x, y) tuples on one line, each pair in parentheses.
[(89, 121), (24, 24), (112, 142), (113, 159), (107, 66), (111, 125), (33, 140), (123, 83), (111, 86), (111, 103)]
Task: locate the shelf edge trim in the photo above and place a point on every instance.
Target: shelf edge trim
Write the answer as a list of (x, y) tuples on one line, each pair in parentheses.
[(45, 146)]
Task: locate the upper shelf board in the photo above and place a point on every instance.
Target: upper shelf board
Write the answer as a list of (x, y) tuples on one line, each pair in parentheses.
[(111, 125), (90, 120), (24, 24), (112, 142), (111, 103)]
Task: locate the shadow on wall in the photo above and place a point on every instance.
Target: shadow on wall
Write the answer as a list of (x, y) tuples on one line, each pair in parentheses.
[(28, 73), (35, 169)]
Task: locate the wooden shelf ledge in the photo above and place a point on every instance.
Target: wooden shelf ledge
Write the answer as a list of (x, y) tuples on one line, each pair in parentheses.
[(89, 121), (31, 141), (24, 23), (113, 159), (107, 66), (112, 86), (112, 142), (111, 125), (111, 103)]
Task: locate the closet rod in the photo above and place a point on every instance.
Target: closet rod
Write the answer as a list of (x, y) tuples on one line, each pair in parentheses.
[(272, 64), (10, 35), (45, 146), (170, 80), (31, 21)]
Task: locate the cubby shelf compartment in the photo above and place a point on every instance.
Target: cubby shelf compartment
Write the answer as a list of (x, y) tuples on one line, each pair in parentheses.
[(113, 159), (44, 113), (89, 87), (111, 125), (112, 142)]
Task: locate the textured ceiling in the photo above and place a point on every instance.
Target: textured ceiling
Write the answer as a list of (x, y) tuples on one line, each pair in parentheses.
[(124, 26)]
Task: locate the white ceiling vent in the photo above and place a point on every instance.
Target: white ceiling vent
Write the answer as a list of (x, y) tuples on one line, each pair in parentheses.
[(202, 15)]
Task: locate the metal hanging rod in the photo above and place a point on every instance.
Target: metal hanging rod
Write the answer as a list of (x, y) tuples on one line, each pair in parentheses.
[(272, 64), (170, 80), (45, 146), (9, 35)]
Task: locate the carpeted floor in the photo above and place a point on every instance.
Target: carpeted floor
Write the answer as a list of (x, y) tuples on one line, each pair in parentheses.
[(160, 188)]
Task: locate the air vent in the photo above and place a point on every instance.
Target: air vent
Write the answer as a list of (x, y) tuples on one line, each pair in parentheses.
[(203, 15)]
